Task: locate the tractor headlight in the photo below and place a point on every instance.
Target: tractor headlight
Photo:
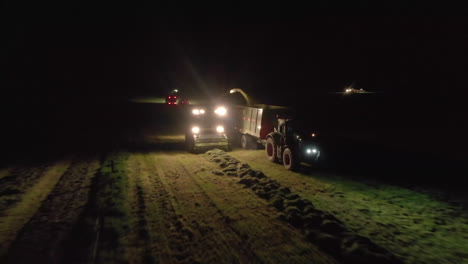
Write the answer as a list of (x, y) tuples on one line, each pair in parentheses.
[(220, 129), (195, 130), (220, 111), (311, 151)]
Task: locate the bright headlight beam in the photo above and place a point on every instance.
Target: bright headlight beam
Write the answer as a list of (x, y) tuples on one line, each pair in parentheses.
[(220, 129), (221, 111), (195, 130), (195, 111), (309, 151)]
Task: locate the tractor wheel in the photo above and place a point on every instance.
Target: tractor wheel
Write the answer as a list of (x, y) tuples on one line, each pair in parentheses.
[(290, 161), (271, 150)]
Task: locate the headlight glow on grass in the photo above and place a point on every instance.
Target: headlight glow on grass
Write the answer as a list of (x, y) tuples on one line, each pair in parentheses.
[(195, 130), (220, 129)]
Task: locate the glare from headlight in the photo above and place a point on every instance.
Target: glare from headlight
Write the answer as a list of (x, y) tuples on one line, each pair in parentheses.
[(220, 129), (309, 151), (195, 130), (221, 111), (198, 111)]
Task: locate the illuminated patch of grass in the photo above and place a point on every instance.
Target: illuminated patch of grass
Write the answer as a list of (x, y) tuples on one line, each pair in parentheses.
[(18, 215), (418, 226)]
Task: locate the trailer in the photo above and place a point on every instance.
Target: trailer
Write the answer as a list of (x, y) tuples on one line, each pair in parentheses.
[(252, 124)]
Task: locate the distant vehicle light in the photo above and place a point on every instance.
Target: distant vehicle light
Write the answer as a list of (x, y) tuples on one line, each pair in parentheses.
[(220, 129), (195, 130), (221, 111), (313, 135), (175, 97)]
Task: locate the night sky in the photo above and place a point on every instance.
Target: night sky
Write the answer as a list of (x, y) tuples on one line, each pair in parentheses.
[(148, 48), (60, 53)]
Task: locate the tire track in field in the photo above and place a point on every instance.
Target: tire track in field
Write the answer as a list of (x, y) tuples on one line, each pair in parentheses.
[(141, 240), (41, 240), (155, 222), (212, 238), (254, 219)]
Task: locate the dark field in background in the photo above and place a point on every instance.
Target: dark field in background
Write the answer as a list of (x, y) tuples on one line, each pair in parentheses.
[(371, 136)]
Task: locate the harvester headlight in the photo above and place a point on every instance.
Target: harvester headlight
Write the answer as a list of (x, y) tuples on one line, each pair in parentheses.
[(221, 111), (195, 130), (220, 129), (197, 111)]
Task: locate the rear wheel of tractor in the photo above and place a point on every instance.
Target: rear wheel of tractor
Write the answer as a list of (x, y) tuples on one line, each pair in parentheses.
[(290, 161), (271, 150)]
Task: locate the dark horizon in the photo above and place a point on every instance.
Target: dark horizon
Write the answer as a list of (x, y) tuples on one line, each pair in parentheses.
[(134, 52), (66, 68)]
